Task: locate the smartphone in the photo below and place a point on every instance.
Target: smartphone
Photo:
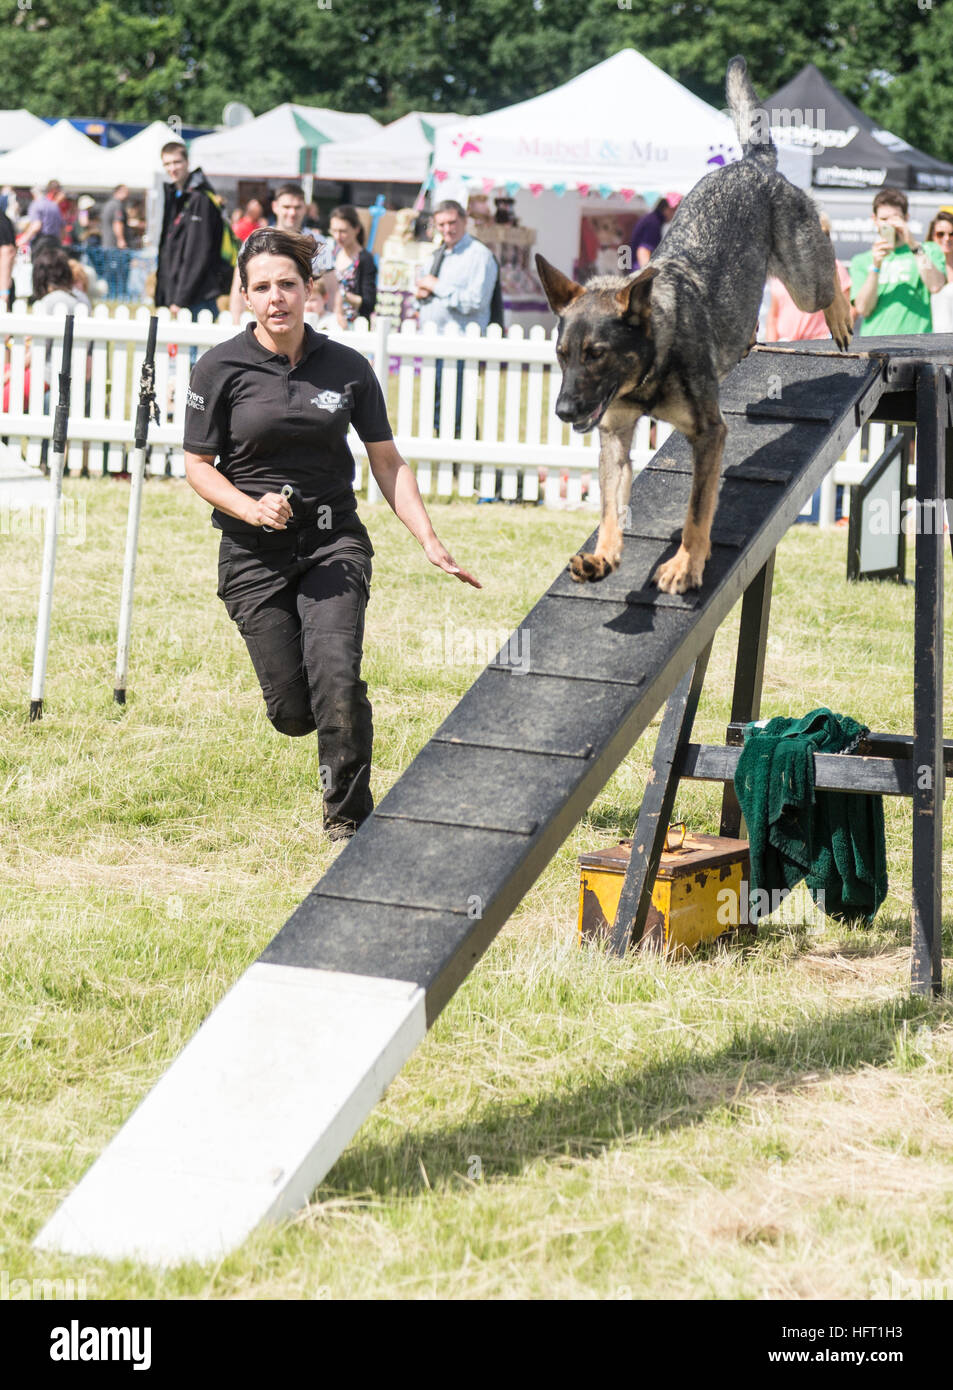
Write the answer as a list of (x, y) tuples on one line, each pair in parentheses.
[(887, 232)]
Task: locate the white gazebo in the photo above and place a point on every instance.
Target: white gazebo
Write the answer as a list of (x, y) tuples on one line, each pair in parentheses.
[(398, 153), (17, 127), (274, 145), (59, 152), (624, 125), (137, 161), (614, 139)]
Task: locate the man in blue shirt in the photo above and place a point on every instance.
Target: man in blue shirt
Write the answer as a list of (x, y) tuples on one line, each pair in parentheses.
[(463, 274), (459, 287)]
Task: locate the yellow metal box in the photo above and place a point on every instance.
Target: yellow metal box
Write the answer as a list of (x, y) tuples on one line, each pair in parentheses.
[(695, 896)]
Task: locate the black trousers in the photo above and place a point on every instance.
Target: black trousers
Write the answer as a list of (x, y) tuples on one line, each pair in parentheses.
[(298, 599)]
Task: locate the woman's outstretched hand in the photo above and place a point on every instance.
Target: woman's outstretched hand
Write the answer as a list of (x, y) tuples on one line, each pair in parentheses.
[(438, 555)]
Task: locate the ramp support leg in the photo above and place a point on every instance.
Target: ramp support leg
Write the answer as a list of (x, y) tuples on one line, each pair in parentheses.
[(656, 809), (749, 676), (933, 416)]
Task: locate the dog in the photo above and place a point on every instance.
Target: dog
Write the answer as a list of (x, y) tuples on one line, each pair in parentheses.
[(660, 341)]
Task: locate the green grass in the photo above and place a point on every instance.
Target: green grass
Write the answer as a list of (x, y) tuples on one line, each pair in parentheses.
[(768, 1120)]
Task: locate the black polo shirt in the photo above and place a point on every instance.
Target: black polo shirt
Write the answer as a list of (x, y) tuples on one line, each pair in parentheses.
[(271, 423)]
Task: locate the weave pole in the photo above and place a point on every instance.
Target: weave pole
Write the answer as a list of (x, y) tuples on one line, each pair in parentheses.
[(60, 429), (147, 407)]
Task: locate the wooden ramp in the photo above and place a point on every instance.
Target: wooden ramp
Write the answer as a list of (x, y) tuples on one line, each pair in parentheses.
[(262, 1101)]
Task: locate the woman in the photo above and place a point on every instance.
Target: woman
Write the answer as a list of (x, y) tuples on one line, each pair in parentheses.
[(941, 303), (54, 282), (356, 271), (274, 403)]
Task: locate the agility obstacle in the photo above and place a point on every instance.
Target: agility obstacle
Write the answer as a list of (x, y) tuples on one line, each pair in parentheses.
[(57, 467), (261, 1102), (147, 409)]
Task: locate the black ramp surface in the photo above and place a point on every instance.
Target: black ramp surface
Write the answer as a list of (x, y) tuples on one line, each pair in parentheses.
[(432, 876)]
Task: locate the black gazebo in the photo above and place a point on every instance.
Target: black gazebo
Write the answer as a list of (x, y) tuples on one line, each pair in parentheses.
[(851, 150)]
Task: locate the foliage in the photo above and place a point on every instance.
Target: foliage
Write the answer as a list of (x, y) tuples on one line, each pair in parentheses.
[(114, 59), (148, 59)]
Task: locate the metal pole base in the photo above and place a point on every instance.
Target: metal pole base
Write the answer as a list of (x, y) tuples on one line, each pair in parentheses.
[(119, 696), (36, 710)]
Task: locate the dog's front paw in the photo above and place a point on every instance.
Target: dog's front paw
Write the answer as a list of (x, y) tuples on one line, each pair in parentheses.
[(684, 571), (588, 568)]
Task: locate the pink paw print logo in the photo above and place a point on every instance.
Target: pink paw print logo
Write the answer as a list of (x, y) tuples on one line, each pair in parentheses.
[(466, 143)]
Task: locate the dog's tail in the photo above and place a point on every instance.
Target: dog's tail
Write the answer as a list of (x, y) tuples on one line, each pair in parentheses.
[(750, 118)]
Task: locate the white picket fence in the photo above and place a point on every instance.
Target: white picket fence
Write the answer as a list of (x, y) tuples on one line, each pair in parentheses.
[(510, 441)]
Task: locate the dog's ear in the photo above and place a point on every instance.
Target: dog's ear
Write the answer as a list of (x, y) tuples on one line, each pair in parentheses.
[(560, 290), (634, 299)]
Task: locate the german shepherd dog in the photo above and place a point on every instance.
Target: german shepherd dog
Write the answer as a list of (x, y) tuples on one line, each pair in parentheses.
[(660, 341)]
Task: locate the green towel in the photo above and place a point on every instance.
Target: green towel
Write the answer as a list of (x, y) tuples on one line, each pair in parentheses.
[(833, 840)]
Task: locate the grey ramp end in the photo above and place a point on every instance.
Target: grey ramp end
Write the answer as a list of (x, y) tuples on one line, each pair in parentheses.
[(248, 1118)]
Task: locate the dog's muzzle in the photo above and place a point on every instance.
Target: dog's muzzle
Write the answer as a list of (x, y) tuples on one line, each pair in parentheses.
[(582, 423)]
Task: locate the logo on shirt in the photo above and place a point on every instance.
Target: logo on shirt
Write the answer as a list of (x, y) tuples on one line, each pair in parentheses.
[(899, 270), (194, 401), (327, 400)]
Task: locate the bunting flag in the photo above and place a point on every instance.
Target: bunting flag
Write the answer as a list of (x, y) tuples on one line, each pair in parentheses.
[(513, 186)]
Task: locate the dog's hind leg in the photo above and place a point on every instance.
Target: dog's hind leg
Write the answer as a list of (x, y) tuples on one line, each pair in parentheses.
[(615, 482), (838, 319), (687, 565), (802, 257)]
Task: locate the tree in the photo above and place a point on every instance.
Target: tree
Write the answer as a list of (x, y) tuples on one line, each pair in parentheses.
[(115, 60), (911, 98), (149, 59)]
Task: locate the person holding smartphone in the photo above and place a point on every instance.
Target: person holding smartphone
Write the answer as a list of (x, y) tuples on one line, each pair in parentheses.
[(891, 284)]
